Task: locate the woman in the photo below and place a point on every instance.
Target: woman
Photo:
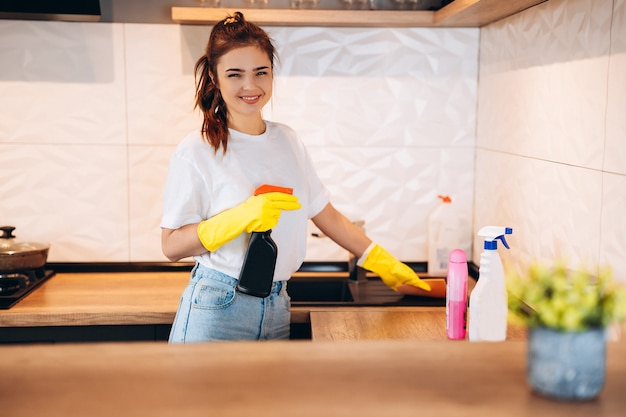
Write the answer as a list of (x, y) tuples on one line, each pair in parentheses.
[(210, 210)]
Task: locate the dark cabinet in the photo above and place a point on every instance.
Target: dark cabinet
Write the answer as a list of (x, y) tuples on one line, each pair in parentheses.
[(69, 334), (113, 333)]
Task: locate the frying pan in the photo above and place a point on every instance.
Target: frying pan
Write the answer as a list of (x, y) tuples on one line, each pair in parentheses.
[(20, 256)]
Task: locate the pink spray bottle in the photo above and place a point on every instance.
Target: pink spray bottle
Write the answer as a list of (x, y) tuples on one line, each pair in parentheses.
[(456, 295)]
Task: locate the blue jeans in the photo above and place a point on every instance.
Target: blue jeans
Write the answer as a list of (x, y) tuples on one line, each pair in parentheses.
[(212, 309)]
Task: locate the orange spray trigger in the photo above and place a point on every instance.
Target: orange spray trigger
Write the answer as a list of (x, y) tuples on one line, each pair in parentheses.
[(267, 188)]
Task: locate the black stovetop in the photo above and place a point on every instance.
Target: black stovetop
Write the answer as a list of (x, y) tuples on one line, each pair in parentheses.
[(16, 285)]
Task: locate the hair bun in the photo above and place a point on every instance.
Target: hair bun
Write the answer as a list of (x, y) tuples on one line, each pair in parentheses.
[(237, 17)]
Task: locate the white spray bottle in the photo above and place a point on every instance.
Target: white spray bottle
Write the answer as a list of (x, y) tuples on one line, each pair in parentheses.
[(488, 307)]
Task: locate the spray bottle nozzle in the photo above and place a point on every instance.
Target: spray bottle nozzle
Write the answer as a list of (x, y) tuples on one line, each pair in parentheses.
[(503, 241), (494, 233)]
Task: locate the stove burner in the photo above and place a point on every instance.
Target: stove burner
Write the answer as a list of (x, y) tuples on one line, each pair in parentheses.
[(16, 285), (10, 285)]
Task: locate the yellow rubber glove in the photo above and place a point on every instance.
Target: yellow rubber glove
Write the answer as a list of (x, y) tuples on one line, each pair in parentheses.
[(259, 213), (391, 271)]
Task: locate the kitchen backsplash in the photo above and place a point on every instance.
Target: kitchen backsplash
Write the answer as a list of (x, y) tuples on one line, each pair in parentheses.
[(520, 122), (551, 136), (91, 113)]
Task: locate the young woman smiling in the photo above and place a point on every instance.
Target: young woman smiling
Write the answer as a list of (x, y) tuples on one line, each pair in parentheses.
[(210, 209)]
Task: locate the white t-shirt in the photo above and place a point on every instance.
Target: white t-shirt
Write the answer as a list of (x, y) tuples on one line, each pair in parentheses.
[(202, 183)]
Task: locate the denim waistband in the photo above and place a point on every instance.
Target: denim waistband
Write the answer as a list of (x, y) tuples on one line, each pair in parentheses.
[(200, 270)]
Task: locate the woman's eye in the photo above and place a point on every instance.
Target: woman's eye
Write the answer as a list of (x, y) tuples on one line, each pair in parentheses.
[(233, 75)]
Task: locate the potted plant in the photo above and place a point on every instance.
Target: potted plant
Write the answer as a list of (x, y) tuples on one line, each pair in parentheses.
[(567, 313)]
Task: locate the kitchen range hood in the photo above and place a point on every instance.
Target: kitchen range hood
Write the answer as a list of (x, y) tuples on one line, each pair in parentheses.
[(66, 10)]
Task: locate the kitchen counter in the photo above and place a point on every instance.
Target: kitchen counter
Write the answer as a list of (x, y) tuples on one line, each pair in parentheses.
[(82, 299), (387, 324), (151, 298), (345, 371), (115, 298), (296, 378)]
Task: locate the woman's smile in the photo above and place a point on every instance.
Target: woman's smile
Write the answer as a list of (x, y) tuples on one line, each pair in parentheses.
[(251, 99)]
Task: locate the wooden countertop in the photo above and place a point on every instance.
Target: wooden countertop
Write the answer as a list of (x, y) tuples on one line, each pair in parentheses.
[(80, 299), (296, 378), (428, 324), (119, 298), (386, 324)]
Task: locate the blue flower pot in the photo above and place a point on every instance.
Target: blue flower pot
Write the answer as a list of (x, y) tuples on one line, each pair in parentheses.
[(566, 365)]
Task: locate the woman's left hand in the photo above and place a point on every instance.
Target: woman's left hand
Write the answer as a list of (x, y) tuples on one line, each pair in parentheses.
[(393, 272)]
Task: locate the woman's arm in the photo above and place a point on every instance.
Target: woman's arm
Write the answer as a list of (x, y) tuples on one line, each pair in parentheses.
[(181, 243), (393, 272), (341, 230), (257, 214)]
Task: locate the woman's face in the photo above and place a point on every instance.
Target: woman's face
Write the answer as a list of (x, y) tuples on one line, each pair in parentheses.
[(244, 77)]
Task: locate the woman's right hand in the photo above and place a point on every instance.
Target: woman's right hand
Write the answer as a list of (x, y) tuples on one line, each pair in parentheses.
[(261, 212), (257, 214)]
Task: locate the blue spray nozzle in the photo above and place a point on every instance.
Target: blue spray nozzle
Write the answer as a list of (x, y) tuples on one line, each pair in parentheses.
[(494, 233), (503, 241)]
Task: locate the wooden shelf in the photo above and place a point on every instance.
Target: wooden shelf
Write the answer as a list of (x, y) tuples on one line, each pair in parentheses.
[(459, 13), (312, 17)]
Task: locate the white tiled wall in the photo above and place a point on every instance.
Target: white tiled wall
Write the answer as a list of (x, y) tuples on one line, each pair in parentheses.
[(90, 112), (551, 133)]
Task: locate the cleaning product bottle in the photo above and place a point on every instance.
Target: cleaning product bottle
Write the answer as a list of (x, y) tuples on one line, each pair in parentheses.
[(456, 295), (257, 272), (443, 236), (488, 308)]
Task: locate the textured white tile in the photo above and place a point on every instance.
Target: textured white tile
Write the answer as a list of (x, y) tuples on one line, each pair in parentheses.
[(159, 62), (148, 170), (542, 90), (72, 196), (393, 190), (554, 209), (358, 98), (384, 87), (61, 82), (551, 79), (613, 231), (615, 153)]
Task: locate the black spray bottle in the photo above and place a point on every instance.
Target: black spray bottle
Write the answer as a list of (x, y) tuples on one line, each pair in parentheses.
[(257, 272)]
